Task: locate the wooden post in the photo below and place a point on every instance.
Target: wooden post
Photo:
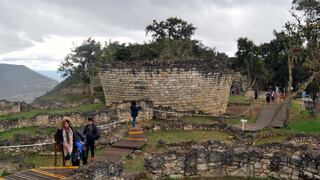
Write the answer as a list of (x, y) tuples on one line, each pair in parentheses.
[(57, 148), (55, 154), (251, 106), (63, 161)]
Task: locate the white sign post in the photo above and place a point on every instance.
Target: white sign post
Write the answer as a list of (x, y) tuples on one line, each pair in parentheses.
[(243, 122)]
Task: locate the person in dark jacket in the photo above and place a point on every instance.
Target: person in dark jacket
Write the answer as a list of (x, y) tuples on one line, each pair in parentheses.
[(72, 143), (92, 134), (134, 112)]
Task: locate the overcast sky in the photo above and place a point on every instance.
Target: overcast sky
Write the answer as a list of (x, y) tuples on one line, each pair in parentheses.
[(40, 33)]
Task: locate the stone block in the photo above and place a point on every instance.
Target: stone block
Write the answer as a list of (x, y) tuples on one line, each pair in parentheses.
[(202, 167)]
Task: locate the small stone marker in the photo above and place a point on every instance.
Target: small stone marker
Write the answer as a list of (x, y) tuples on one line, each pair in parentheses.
[(243, 122)]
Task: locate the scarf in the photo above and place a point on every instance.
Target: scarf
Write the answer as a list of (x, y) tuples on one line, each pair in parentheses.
[(67, 140)]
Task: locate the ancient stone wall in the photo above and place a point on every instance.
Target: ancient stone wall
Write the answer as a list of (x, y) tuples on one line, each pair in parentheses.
[(215, 159), (78, 119), (7, 107), (180, 89)]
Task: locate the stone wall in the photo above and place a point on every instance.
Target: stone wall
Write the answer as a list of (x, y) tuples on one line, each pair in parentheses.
[(99, 170), (7, 107), (180, 88), (174, 125), (78, 119), (215, 159)]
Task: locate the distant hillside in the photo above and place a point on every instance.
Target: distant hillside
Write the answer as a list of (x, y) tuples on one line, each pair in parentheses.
[(17, 83), (52, 74), (72, 89)]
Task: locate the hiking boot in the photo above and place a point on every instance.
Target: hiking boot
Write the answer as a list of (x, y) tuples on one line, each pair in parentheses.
[(92, 158)]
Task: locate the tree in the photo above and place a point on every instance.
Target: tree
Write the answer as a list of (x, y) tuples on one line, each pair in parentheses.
[(83, 61), (250, 62), (309, 21), (173, 28)]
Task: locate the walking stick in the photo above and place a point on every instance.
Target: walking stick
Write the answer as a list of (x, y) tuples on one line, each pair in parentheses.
[(55, 154)]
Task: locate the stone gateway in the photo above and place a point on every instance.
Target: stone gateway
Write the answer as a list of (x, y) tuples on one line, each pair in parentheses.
[(184, 86)]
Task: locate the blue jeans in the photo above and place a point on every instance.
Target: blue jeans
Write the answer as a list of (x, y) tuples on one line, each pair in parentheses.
[(134, 121)]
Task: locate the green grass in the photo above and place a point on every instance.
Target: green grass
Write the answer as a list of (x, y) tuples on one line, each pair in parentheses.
[(236, 121), (5, 173), (241, 100), (7, 135), (42, 160), (278, 139), (63, 98), (183, 136), (133, 165), (30, 114), (198, 120), (310, 125), (302, 121)]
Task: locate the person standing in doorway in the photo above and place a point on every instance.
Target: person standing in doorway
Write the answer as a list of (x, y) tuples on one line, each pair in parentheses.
[(134, 112), (92, 133)]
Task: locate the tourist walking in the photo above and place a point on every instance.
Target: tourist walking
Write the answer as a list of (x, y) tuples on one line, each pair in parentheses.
[(134, 112), (92, 134), (72, 143), (273, 94), (268, 96)]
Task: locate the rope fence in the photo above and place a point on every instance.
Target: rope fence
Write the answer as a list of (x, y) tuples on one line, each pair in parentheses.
[(200, 115), (122, 121), (52, 142)]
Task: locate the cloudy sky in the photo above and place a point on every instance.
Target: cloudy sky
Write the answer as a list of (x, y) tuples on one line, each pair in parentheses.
[(40, 33)]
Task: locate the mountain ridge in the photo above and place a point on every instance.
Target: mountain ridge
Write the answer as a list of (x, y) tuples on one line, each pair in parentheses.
[(19, 83)]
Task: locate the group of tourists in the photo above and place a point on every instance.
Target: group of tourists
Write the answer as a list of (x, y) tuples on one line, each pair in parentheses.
[(273, 95), (75, 145)]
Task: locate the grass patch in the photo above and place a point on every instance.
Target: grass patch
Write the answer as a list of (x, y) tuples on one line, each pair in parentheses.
[(278, 139), (7, 135), (198, 119), (183, 136), (310, 125), (30, 114), (133, 165), (42, 160), (98, 151), (63, 98), (5, 173), (302, 121), (240, 100), (236, 120)]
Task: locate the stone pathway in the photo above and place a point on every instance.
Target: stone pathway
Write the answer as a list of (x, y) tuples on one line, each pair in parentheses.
[(116, 152), (280, 117)]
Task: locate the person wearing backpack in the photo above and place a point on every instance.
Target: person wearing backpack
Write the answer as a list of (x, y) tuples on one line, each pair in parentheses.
[(71, 142), (92, 134)]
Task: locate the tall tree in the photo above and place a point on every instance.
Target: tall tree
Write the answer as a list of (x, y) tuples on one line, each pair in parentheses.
[(249, 61), (83, 61), (307, 14), (173, 28)]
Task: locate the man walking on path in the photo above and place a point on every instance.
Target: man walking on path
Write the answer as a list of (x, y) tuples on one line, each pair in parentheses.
[(92, 134), (134, 112)]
